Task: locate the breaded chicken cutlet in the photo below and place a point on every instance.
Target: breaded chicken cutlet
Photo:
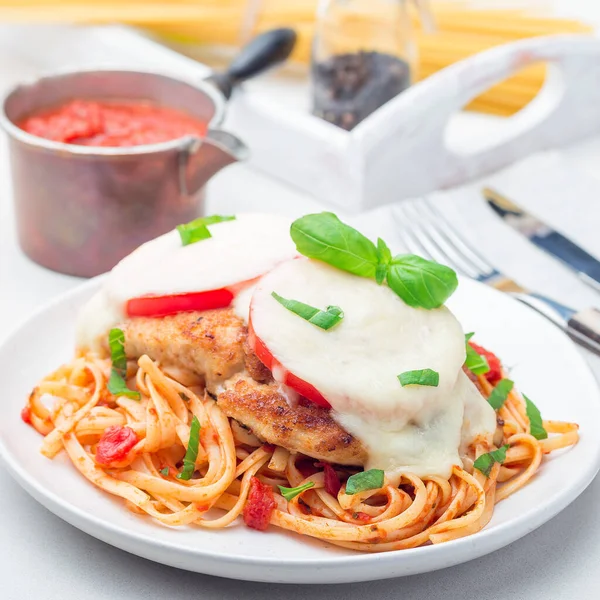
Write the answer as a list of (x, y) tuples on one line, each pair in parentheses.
[(213, 344)]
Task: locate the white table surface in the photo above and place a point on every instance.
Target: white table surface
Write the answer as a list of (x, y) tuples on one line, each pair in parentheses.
[(43, 557)]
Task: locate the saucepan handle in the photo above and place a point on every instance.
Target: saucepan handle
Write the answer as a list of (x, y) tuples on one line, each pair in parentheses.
[(263, 52)]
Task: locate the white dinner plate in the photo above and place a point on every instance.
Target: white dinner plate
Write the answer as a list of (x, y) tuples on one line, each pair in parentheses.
[(544, 363)]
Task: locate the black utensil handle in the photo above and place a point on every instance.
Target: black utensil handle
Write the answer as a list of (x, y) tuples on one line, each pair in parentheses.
[(263, 52), (585, 326)]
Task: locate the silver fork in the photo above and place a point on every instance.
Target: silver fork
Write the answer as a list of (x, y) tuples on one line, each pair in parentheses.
[(425, 231)]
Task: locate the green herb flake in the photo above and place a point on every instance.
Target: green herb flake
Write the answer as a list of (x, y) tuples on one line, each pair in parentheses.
[(191, 454), (486, 461), (500, 393), (164, 472), (197, 230), (536, 425), (325, 319), (290, 493), (475, 362), (116, 383), (420, 377), (367, 480)]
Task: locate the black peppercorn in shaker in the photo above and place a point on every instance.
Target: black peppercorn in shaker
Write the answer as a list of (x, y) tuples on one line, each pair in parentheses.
[(363, 54)]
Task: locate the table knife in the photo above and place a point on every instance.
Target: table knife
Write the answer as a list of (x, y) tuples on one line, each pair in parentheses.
[(544, 237)]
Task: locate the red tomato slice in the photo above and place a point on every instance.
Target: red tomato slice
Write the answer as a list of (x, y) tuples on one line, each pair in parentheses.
[(160, 306), (299, 385)]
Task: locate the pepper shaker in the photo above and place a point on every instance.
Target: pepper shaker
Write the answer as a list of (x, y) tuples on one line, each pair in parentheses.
[(363, 55)]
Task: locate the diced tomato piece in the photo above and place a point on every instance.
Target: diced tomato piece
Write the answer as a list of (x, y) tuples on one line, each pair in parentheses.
[(269, 447), (299, 385), (159, 306), (115, 444), (361, 516), (26, 415), (307, 467), (259, 505), (332, 481), (494, 375)]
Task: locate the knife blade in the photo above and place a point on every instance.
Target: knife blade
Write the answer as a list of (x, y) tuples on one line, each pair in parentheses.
[(547, 239)]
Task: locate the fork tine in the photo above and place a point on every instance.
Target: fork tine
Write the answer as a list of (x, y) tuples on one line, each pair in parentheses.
[(451, 235), (442, 249), (425, 232), (407, 236)]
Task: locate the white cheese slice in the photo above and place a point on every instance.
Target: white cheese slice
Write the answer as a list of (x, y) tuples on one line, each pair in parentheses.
[(238, 251), (355, 366)]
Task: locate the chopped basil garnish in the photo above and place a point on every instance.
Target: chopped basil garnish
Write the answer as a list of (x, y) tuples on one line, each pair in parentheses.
[(191, 454), (367, 480), (197, 230), (164, 472), (290, 493), (475, 362), (116, 383), (419, 282), (486, 461), (325, 319), (536, 426), (500, 393), (420, 377)]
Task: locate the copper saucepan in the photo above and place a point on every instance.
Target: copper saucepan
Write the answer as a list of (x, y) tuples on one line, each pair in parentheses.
[(80, 209)]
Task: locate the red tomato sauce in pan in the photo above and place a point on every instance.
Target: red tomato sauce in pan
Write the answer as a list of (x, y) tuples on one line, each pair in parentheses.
[(112, 123)]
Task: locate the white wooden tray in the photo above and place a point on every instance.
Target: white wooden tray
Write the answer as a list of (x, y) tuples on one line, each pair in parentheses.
[(402, 150)]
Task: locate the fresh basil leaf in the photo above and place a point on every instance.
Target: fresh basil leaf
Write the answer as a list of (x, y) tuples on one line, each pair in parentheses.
[(419, 282), (500, 393), (384, 256), (290, 493), (325, 319), (191, 454), (197, 230), (536, 425), (475, 362), (117, 385), (164, 472), (324, 237), (420, 377), (485, 462), (367, 480)]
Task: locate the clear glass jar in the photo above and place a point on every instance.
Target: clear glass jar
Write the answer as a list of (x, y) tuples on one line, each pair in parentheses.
[(363, 55)]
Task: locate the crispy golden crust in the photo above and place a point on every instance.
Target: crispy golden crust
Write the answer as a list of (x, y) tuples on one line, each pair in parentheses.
[(213, 344), (307, 429), (254, 367), (209, 343)]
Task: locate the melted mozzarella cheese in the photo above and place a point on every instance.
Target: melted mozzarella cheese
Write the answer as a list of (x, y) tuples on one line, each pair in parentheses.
[(238, 251), (355, 365)]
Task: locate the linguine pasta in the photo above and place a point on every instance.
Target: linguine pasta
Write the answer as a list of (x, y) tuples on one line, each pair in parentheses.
[(73, 409)]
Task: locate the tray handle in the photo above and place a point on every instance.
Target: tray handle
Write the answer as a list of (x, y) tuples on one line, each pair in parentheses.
[(566, 109)]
